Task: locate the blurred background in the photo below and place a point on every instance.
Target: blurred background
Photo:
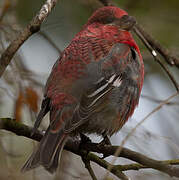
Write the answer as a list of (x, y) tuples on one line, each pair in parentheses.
[(21, 87)]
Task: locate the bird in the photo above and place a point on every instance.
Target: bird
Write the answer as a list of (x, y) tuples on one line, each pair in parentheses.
[(94, 86)]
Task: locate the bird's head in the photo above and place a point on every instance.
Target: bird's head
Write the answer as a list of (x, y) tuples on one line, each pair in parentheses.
[(113, 16)]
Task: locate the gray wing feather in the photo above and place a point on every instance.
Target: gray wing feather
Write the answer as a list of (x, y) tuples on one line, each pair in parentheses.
[(100, 81)]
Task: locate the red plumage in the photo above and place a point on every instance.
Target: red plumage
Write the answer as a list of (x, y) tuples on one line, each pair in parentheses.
[(94, 86)]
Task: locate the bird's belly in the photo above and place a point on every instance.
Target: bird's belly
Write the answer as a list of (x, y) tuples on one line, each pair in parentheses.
[(115, 111), (104, 122)]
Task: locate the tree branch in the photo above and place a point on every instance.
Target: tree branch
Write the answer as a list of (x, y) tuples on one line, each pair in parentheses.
[(88, 167), (167, 55), (75, 147), (136, 166), (154, 99), (32, 27), (137, 30)]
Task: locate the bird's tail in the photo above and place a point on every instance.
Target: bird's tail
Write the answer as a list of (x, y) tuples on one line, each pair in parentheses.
[(48, 152)]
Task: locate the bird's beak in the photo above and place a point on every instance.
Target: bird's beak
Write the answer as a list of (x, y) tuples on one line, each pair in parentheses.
[(126, 22)]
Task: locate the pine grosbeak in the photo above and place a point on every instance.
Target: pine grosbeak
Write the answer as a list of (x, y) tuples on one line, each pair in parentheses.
[(94, 86)]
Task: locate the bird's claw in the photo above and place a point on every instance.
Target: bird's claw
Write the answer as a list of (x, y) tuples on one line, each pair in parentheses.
[(84, 139), (105, 141)]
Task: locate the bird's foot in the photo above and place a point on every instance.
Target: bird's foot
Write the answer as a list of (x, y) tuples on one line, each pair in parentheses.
[(84, 139), (105, 141)]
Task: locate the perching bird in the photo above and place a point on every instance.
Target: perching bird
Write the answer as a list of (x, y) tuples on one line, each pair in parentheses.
[(94, 86)]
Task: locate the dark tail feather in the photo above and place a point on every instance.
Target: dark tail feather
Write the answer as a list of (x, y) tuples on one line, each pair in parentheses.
[(48, 152)]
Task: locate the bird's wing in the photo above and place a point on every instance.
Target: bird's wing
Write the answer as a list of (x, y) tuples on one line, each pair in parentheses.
[(103, 76)]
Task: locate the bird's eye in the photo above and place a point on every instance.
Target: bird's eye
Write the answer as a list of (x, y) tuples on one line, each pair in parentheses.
[(108, 20)]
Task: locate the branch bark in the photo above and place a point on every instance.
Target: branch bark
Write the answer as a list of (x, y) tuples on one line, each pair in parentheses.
[(32, 27), (167, 55), (89, 168), (150, 46), (81, 150)]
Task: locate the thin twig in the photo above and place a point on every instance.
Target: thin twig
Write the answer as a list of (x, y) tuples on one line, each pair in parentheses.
[(159, 100), (32, 27), (136, 166), (89, 168), (101, 162), (168, 56)]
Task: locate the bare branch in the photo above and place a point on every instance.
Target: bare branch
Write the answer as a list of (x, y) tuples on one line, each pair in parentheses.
[(89, 168), (159, 100), (136, 166), (33, 27), (155, 56), (167, 55), (75, 147)]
